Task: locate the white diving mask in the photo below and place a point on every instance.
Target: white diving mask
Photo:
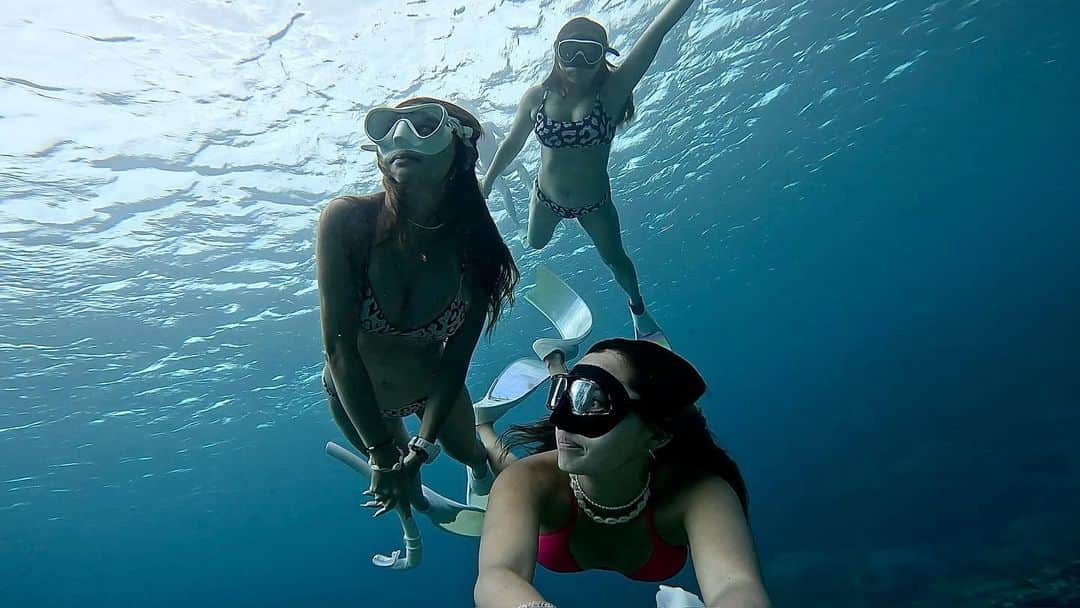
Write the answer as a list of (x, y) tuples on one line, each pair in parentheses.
[(426, 129)]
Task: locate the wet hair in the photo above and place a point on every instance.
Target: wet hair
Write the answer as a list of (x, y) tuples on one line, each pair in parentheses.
[(487, 260), (670, 388), (556, 79)]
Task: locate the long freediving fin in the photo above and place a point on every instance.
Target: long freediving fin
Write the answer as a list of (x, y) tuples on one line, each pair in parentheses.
[(646, 328), (566, 311), (452, 516), (515, 382)]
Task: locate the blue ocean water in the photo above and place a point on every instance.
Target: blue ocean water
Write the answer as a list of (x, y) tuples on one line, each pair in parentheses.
[(855, 217)]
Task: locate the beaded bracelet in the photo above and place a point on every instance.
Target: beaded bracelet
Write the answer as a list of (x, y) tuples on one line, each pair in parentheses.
[(378, 469), (537, 605), (381, 469)]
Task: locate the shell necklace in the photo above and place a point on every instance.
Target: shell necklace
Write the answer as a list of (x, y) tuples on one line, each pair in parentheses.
[(636, 506)]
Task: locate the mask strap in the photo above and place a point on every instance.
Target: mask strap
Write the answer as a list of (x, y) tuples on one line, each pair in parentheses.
[(464, 131)]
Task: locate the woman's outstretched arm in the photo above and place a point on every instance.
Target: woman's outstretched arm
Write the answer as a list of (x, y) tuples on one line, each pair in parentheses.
[(722, 549), (636, 62), (510, 537)]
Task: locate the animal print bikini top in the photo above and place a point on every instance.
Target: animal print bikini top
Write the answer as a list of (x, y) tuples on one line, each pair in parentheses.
[(441, 328), (597, 128)]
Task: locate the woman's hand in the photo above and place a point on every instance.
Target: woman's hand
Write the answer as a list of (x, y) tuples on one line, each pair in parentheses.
[(391, 489), (389, 482), (411, 464), (486, 185)]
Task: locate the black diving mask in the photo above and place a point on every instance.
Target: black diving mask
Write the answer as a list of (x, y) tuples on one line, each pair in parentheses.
[(588, 401)]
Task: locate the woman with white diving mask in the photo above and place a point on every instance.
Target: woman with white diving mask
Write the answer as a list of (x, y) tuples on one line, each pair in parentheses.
[(575, 113), (407, 278)]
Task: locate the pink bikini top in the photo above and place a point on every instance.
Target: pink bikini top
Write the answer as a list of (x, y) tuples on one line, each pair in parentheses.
[(553, 551)]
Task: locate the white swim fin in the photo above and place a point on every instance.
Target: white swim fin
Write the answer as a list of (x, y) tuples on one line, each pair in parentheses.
[(515, 382), (646, 328), (477, 489), (677, 597), (566, 311), (452, 516)]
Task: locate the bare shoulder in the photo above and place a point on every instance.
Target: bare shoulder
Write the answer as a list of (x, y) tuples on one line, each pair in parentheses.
[(531, 99), (713, 491), (348, 217), (538, 474), (707, 495), (346, 209), (534, 93)]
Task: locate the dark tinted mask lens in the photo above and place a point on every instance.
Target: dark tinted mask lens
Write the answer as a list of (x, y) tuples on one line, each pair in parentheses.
[(587, 401), (379, 122), (425, 122), (581, 406)]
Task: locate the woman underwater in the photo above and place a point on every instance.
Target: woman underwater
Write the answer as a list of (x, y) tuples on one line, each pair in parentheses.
[(575, 112), (624, 476), (486, 147), (407, 278)]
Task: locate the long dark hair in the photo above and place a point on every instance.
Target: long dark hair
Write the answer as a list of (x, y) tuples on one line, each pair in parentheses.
[(488, 262), (556, 80), (670, 387)]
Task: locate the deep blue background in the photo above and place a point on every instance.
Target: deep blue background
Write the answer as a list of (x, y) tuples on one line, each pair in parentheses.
[(890, 348)]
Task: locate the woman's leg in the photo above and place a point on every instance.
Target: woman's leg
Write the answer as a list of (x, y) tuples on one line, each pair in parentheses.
[(508, 200), (461, 434), (458, 436), (603, 227), (497, 454), (542, 221)]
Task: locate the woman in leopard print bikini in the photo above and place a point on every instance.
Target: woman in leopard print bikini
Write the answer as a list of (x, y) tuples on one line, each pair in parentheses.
[(407, 278), (574, 113)]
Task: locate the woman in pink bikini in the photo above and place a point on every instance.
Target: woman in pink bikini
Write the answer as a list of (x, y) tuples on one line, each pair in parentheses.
[(623, 476)]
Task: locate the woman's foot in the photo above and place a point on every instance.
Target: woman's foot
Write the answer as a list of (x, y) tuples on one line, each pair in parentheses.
[(478, 485), (645, 328)]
